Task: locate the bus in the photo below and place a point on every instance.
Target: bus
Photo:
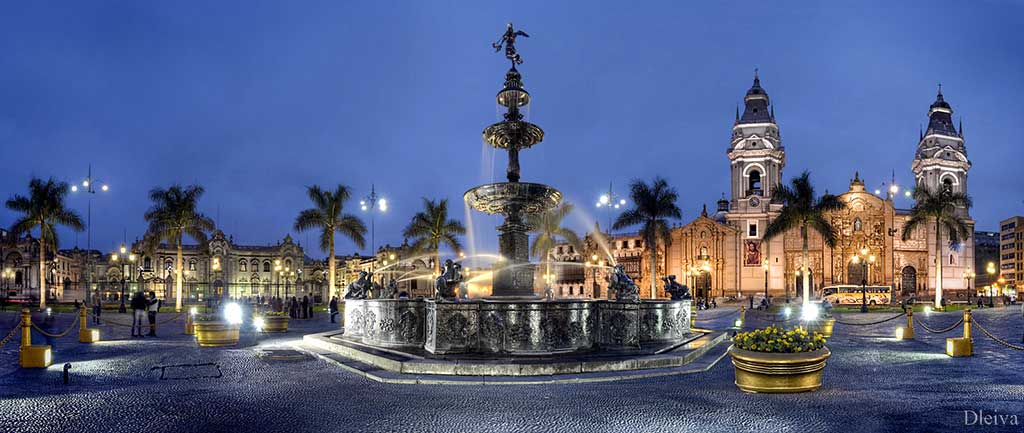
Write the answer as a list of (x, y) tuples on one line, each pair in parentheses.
[(849, 294)]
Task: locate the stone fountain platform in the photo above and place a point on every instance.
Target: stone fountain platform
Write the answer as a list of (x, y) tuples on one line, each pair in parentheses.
[(513, 338)]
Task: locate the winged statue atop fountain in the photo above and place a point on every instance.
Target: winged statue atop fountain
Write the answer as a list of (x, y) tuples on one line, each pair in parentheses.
[(509, 41)]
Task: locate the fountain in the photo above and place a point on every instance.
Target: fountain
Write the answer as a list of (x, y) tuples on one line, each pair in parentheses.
[(513, 321)]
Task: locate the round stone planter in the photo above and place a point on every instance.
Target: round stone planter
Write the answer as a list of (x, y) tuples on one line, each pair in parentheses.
[(822, 326), (778, 372), (275, 324), (216, 334)]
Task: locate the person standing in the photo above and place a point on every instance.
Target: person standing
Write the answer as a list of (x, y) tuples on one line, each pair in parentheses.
[(333, 307), (152, 309), (138, 304), (305, 307), (97, 308)]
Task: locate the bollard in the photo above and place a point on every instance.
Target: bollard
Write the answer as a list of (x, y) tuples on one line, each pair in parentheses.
[(31, 356), (964, 346), (693, 318), (67, 366), (743, 318), (86, 335), (908, 332), (190, 328)]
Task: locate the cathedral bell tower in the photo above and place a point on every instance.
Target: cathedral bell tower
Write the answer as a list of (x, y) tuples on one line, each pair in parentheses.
[(756, 155), (941, 158)]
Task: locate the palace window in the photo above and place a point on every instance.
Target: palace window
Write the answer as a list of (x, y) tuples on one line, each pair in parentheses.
[(242, 265), (752, 230), (192, 265), (266, 266)]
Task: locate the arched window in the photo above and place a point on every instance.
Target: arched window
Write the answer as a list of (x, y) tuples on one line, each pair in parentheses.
[(242, 265), (947, 184), (288, 263), (754, 182), (254, 265), (191, 265), (266, 266)]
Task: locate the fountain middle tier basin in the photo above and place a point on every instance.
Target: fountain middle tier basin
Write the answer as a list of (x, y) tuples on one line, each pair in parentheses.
[(503, 197), (522, 327)]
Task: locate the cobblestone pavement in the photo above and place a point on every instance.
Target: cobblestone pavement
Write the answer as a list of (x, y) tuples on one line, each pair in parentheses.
[(872, 383)]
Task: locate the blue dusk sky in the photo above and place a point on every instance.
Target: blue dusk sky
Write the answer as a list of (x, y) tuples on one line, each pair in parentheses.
[(256, 100)]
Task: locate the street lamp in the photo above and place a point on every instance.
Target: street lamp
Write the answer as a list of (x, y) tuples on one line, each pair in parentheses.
[(372, 203), (990, 269), (764, 265), (999, 288), (127, 259), (89, 187), (863, 258), (277, 271), (610, 201), (968, 275)]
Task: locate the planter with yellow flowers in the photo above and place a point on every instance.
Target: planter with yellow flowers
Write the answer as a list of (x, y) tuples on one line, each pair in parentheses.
[(211, 331), (275, 322), (777, 360)]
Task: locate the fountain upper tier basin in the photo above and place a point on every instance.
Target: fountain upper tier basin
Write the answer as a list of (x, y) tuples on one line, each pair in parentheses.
[(514, 134), (503, 197)]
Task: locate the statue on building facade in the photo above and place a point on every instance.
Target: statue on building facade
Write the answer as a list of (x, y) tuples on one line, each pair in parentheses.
[(675, 290), (360, 288), (509, 41), (451, 276), (622, 286)]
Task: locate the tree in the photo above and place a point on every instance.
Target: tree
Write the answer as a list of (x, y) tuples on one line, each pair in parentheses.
[(803, 209), (548, 228), (654, 205), (430, 228), (941, 207), (43, 209), (172, 216), (327, 215)]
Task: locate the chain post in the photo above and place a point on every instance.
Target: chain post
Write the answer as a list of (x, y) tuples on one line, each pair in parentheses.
[(964, 346), (86, 335), (908, 332), (31, 356)]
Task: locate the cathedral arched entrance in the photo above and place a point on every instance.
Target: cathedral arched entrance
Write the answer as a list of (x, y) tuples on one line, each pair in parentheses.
[(856, 274), (908, 280), (799, 283), (702, 284)]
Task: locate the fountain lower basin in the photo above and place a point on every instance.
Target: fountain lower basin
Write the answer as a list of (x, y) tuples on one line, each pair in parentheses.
[(520, 327)]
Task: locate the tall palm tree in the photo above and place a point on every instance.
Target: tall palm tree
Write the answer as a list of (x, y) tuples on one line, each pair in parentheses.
[(653, 206), (803, 209), (941, 206), (44, 209), (327, 215), (548, 228), (430, 228), (173, 215)]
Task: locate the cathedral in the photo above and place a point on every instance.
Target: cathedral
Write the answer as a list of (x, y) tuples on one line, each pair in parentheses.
[(724, 253)]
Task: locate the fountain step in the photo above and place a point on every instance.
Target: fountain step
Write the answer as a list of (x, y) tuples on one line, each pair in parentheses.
[(712, 348), (395, 366)]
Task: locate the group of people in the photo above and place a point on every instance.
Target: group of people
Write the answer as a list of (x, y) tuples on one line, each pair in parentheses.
[(296, 308), (144, 306), (706, 304)]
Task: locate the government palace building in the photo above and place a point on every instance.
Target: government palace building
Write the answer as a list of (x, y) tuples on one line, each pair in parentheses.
[(724, 253)]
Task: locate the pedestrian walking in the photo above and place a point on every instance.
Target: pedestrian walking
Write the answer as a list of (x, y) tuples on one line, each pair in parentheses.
[(332, 308), (305, 307), (138, 304), (293, 308), (97, 308), (153, 308)]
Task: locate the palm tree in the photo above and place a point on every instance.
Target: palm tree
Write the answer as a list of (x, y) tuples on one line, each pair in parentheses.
[(548, 228), (654, 205), (172, 216), (801, 208), (431, 227), (43, 209), (327, 214), (941, 206)]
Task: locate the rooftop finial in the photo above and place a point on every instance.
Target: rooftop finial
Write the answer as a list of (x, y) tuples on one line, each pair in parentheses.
[(737, 112), (704, 210), (961, 127), (757, 78), (509, 41)]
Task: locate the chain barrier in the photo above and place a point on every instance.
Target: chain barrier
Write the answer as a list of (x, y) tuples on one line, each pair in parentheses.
[(58, 335), (717, 316), (11, 334), (940, 331), (871, 323), (129, 325), (996, 339), (767, 319)]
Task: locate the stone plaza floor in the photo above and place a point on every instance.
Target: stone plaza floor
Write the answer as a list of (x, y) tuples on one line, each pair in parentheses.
[(167, 384)]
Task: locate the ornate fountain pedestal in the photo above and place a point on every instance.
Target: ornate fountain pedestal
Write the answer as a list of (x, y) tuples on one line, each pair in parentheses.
[(523, 327)]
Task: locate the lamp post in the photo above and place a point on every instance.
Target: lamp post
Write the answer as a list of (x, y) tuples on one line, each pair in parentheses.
[(277, 271), (592, 264), (8, 274), (89, 187), (864, 259), (122, 255), (1001, 282), (371, 204), (610, 201), (968, 275)]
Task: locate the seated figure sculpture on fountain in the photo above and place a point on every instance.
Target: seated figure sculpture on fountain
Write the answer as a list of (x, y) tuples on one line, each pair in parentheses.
[(451, 276), (390, 291), (624, 288), (360, 288), (675, 290)]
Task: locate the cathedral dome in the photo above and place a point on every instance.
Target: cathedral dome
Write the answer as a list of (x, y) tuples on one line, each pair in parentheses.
[(940, 117)]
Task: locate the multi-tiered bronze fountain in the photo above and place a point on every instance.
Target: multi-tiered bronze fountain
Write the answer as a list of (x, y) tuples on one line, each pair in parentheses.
[(513, 275)]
